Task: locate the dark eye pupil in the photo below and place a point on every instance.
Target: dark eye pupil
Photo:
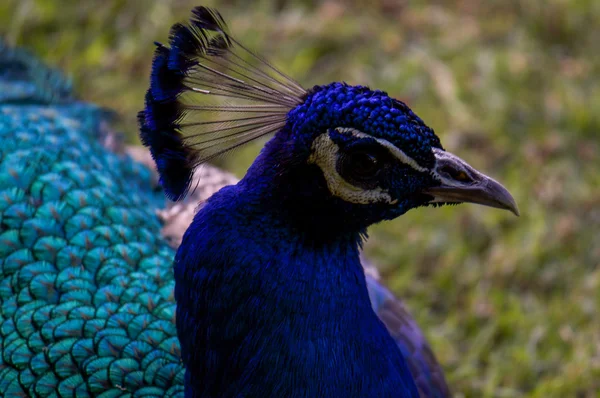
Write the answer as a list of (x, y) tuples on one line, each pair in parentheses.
[(359, 167), (363, 163)]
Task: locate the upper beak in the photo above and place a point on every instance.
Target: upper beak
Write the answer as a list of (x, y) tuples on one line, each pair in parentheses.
[(462, 183)]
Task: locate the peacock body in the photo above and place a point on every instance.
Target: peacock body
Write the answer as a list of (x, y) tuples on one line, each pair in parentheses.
[(272, 299), (86, 281)]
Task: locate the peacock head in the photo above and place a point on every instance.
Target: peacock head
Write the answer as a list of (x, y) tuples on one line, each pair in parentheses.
[(340, 151)]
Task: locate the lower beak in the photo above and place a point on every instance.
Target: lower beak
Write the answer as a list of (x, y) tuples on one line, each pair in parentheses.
[(472, 187)]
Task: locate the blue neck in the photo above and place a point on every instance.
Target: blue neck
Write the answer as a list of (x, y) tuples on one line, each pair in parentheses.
[(269, 303), (297, 194)]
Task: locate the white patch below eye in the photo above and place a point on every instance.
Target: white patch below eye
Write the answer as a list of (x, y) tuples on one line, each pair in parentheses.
[(324, 154)]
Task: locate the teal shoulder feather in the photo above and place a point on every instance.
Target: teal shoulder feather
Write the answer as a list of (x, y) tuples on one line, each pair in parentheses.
[(86, 306)]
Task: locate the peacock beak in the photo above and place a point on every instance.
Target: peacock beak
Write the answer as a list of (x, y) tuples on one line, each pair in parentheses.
[(461, 183)]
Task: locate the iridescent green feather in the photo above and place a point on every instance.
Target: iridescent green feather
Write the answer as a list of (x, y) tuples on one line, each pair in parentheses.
[(86, 306)]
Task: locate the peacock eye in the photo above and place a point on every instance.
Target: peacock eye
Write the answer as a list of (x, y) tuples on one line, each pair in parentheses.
[(359, 165)]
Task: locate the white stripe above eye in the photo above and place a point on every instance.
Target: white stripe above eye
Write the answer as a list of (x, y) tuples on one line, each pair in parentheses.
[(394, 150)]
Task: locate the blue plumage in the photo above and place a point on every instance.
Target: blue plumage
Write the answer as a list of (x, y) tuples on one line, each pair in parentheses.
[(278, 309), (271, 296)]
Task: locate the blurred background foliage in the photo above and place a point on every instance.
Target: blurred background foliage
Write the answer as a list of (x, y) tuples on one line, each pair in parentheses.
[(511, 305)]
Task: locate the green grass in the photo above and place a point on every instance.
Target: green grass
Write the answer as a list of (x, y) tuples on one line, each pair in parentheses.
[(511, 305)]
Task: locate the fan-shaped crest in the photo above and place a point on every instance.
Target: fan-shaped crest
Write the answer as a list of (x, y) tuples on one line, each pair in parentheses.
[(208, 95)]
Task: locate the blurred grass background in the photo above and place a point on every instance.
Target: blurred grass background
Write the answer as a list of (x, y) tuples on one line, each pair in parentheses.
[(510, 305)]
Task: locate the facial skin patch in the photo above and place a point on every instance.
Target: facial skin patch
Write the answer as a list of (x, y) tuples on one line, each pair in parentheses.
[(325, 154)]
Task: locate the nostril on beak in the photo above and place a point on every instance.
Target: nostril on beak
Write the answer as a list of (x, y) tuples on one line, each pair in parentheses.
[(457, 175)]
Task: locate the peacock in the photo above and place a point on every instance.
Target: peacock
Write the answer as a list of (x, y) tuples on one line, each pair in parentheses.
[(87, 242), (272, 300)]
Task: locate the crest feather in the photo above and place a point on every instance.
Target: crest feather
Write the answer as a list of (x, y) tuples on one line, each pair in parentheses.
[(208, 95)]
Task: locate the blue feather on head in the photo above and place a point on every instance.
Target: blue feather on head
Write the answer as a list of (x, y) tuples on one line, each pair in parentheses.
[(271, 296)]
